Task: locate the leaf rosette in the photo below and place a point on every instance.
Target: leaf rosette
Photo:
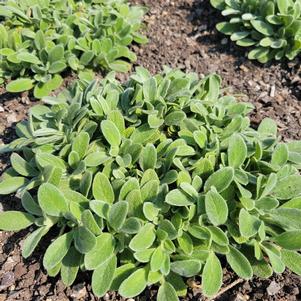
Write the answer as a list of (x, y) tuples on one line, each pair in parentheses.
[(154, 181), (270, 29)]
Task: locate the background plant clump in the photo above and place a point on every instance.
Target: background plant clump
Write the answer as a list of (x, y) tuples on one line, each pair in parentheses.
[(154, 181), (270, 28), (41, 39)]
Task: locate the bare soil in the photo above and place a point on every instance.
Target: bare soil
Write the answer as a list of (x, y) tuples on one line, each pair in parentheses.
[(182, 34)]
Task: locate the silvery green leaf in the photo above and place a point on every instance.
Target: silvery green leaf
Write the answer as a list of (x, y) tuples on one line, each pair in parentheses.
[(103, 275), (117, 214), (186, 268), (128, 187), (30, 205), (175, 118), (156, 259), (218, 236), (90, 222), (19, 85), (132, 225), (144, 134), (280, 155), (52, 200), (167, 292), (169, 228), (33, 240), (44, 159), (288, 187), (150, 89), (248, 223), (144, 239), (237, 151), (102, 188), (149, 190), (57, 250), (116, 117), (145, 255), (268, 127), (70, 266), (101, 252), (290, 240), (22, 167), (84, 240), (149, 157), (239, 263), (111, 133), (220, 179), (275, 260), (185, 243), (150, 211), (134, 284), (212, 281), (80, 144), (96, 159), (178, 198), (216, 208), (263, 27), (12, 184), (293, 203), (121, 273), (15, 220), (292, 260)]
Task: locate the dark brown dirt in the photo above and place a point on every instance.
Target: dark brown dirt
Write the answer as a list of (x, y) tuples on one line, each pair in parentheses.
[(181, 35)]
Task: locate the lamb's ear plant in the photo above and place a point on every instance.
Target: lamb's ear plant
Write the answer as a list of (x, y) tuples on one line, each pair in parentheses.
[(41, 39), (153, 182), (269, 29)]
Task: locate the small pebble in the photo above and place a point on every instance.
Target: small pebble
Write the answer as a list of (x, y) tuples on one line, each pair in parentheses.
[(224, 41), (273, 288)]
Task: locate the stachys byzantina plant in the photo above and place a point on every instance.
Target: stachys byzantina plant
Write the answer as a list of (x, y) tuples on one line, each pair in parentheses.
[(42, 39), (270, 28), (155, 181)]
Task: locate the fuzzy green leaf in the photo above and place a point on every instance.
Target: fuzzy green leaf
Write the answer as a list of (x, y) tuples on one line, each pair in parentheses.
[(70, 266), (15, 220), (57, 250), (103, 275), (186, 268), (102, 188), (102, 251), (19, 85), (237, 151), (167, 292), (216, 208), (51, 200), (84, 240), (220, 179), (212, 275), (144, 239), (239, 263), (10, 185), (111, 132), (134, 284), (117, 214), (290, 240)]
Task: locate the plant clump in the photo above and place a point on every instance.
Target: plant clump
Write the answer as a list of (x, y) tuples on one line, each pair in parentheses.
[(153, 182), (41, 39), (271, 29)]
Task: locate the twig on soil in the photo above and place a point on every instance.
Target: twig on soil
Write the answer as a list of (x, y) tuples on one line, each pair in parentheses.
[(228, 287)]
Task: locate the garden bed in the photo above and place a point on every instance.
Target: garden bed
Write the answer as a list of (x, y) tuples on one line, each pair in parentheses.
[(182, 35)]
